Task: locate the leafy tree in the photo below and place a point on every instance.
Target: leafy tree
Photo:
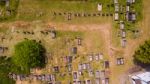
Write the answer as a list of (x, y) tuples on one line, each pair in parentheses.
[(142, 55), (6, 80), (5, 68), (28, 54)]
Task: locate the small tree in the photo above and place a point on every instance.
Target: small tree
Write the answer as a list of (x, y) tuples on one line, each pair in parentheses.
[(28, 54), (142, 55)]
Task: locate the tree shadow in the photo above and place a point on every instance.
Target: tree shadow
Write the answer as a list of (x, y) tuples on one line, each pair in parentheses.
[(142, 65), (43, 57)]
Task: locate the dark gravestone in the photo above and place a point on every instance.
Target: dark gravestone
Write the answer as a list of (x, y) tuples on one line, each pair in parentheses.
[(106, 64), (74, 50)]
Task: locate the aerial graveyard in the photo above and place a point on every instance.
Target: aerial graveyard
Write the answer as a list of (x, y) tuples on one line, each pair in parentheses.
[(86, 41)]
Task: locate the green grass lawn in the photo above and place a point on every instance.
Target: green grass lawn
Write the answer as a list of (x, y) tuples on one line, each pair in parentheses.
[(30, 10)]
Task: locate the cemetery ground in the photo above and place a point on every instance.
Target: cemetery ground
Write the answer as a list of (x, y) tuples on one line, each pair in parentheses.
[(97, 33), (93, 42), (96, 38)]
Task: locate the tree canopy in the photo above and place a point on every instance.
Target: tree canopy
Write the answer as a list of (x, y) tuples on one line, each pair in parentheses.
[(142, 55), (28, 54), (5, 68)]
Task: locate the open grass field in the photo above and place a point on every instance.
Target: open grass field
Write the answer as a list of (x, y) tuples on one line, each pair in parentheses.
[(98, 33)]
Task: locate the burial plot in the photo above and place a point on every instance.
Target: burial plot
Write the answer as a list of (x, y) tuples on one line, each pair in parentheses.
[(54, 13), (102, 75), (79, 41), (74, 82), (84, 66), (98, 14), (136, 33), (101, 56), (53, 34), (97, 81), (69, 67), (106, 80), (89, 14), (94, 14), (65, 13), (116, 7), (75, 15), (20, 77), (74, 50), (85, 15), (115, 1), (88, 82), (79, 82), (90, 57), (80, 73), (97, 74), (106, 64), (69, 16), (1, 50), (120, 61), (91, 73), (97, 57), (111, 14), (123, 34), (69, 59), (103, 14), (59, 13), (127, 8), (116, 16), (133, 17), (107, 14), (99, 7), (123, 42), (55, 69), (39, 77), (80, 67), (58, 82), (75, 75), (129, 2), (53, 77), (43, 77), (122, 25), (130, 16), (88, 66)]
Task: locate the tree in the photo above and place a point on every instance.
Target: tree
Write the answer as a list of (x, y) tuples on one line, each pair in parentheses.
[(5, 68), (142, 55), (28, 54), (4, 79)]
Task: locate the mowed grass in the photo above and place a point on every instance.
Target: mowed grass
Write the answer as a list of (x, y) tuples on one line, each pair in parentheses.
[(31, 10)]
